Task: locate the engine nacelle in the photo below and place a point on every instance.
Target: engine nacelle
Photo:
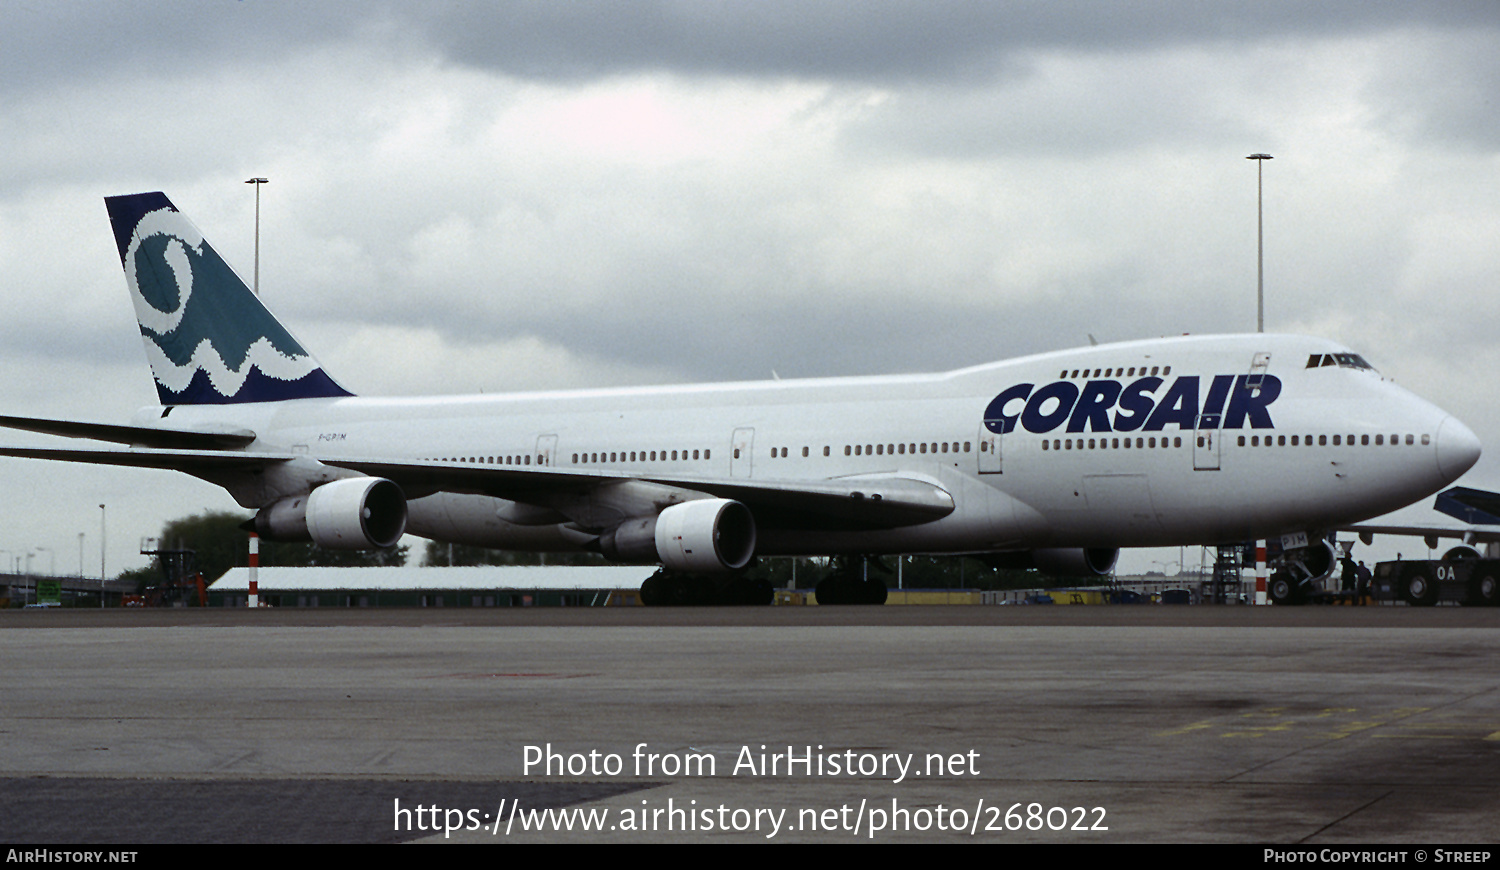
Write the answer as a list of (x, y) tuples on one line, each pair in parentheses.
[(1318, 559), (357, 513), (1075, 562), (711, 535)]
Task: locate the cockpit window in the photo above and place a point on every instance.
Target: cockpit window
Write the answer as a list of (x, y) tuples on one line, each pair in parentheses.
[(1343, 360)]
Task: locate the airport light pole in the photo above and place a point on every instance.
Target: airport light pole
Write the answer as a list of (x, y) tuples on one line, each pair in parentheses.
[(257, 182), (1260, 243), (1260, 326), (102, 515)]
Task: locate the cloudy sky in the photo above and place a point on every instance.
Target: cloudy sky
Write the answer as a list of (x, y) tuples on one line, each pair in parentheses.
[(486, 197)]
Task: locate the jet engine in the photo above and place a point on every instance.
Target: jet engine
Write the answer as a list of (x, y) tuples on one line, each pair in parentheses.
[(1318, 560), (1060, 561), (1075, 562), (713, 535), (357, 513)]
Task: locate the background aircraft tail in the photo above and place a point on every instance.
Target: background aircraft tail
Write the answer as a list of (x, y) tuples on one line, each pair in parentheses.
[(209, 340)]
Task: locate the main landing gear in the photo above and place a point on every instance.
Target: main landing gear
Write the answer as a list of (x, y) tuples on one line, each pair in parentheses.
[(854, 581), (678, 589)]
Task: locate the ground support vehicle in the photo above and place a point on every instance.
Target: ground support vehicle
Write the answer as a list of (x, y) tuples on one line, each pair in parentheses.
[(1423, 583)]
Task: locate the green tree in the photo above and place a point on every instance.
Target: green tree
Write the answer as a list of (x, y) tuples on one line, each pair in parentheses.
[(305, 554), (219, 543), (215, 537), (777, 571), (140, 578)]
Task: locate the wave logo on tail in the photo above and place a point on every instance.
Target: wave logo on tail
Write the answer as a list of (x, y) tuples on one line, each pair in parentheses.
[(208, 338)]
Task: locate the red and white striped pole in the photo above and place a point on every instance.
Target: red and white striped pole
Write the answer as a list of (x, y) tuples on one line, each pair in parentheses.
[(254, 569), (1260, 572)]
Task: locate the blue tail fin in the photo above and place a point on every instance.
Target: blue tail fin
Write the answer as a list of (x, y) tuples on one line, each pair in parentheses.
[(208, 338)]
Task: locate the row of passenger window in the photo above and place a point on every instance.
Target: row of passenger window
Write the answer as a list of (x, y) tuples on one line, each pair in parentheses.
[(1120, 372), (490, 460), (1338, 440), (1109, 443), (885, 449), (776, 452), (641, 456), (938, 447)]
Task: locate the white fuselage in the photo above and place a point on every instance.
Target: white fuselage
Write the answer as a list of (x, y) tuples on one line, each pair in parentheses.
[(1120, 448)]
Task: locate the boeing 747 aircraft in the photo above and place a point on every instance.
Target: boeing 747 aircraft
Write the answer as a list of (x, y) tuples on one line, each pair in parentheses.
[(1056, 460)]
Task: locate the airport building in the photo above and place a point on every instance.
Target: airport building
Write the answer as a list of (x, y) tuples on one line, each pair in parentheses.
[(483, 586), (592, 586)]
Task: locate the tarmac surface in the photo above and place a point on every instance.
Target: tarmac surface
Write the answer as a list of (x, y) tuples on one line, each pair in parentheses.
[(1304, 726)]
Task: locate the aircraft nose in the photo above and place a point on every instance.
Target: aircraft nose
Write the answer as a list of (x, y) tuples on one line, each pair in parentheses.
[(1457, 449)]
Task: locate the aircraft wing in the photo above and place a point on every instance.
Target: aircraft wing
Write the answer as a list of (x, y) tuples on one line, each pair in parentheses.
[(1430, 534), (1476, 507), (140, 436), (190, 461), (883, 501)]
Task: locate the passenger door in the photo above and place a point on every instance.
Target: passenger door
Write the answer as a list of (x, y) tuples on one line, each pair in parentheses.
[(989, 451), (546, 449), (741, 452)]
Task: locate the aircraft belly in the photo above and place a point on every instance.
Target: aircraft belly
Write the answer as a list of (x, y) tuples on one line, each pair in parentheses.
[(985, 519), (1121, 506), (476, 520), (1112, 509)]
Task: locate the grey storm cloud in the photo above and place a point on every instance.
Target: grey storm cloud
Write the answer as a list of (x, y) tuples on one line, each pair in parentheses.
[(877, 40), (886, 40)]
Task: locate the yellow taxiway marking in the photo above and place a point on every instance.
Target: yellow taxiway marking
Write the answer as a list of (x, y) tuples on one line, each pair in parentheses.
[(1336, 723)]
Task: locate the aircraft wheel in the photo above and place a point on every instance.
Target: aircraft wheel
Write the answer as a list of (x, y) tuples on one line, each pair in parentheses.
[(1420, 590), (1283, 589), (873, 591), (652, 592), (679, 590)]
